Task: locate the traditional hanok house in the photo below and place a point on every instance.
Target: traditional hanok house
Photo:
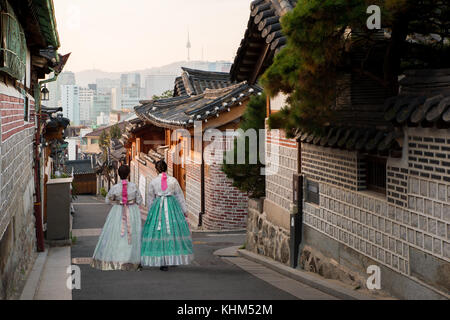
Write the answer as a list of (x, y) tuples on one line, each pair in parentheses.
[(376, 185), (211, 199), (90, 142), (27, 52), (193, 82)]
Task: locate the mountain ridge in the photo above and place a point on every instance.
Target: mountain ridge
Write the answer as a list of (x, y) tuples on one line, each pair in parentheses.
[(85, 77)]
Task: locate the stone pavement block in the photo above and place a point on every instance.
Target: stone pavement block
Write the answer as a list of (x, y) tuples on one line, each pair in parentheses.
[(279, 281), (54, 276), (332, 288), (33, 280)]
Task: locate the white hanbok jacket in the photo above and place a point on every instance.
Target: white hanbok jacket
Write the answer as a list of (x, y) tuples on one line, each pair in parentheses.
[(173, 189)]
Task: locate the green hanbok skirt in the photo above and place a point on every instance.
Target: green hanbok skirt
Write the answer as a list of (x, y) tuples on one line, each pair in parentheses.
[(166, 237)]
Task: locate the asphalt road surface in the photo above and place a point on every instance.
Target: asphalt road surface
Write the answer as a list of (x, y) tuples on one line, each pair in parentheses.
[(208, 278)]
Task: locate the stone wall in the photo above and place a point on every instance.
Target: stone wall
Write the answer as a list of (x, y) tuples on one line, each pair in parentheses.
[(406, 230), (17, 227), (281, 154), (264, 237), (268, 218)]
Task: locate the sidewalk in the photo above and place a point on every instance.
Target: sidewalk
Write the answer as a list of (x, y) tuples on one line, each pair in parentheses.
[(48, 278), (332, 288)]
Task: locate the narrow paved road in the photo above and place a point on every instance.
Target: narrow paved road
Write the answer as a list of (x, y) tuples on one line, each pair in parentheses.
[(208, 278)]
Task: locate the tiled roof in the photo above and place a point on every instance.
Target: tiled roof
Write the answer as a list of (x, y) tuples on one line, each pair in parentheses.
[(263, 38), (402, 110), (195, 82), (418, 110), (79, 167), (55, 123), (182, 111), (354, 139)]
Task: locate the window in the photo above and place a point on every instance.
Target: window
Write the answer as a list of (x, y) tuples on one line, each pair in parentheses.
[(94, 141), (312, 192), (376, 174), (26, 108), (13, 47)]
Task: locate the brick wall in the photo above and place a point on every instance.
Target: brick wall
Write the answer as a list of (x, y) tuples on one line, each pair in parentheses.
[(140, 171), (408, 224), (279, 185), (226, 206), (337, 167), (193, 188), (17, 231)]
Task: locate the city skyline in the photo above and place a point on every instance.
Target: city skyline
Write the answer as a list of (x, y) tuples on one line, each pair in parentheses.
[(98, 42)]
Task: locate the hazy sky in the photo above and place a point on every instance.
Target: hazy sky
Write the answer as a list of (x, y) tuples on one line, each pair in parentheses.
[(126, 35)]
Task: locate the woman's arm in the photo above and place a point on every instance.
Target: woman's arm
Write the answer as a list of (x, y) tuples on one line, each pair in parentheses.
[(151, 195), (180, 197), (138, 199), (110, 197)]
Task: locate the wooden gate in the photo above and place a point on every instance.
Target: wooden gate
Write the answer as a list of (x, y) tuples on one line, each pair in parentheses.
[(85, 184)]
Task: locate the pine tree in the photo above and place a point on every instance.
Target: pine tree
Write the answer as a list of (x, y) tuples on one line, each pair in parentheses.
[(319, 46), (247, 177)]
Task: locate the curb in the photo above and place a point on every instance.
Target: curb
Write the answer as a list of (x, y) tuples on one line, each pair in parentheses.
[(34, 278), (314, 281), (219, 231), (231, 252)]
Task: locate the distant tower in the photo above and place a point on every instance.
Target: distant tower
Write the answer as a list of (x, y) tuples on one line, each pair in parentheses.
[(188, 46)]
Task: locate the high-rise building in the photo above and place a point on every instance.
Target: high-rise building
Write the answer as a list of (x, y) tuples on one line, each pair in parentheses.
[(130, 90), (92, 86), (86, 98), (102, 104), (71, 103), (55, 98), (156, 84), (105, 85), (102, 119)]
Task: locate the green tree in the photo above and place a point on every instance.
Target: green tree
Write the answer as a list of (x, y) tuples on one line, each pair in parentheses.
[(115, 132), (247, 177), (322, 35), (104, 144), (165, 95)]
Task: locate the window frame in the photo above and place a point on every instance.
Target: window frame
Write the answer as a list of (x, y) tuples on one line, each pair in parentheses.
[(376, 174), (13, 59), (311, 196)]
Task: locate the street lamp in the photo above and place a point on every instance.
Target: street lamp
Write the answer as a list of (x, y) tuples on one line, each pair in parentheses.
[(45, 94)]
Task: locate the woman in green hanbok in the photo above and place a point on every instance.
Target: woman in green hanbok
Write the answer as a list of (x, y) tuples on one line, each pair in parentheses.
[(166, 238)]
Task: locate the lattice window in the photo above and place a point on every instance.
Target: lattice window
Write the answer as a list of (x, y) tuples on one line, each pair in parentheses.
[(13, 46), (376, 174)]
